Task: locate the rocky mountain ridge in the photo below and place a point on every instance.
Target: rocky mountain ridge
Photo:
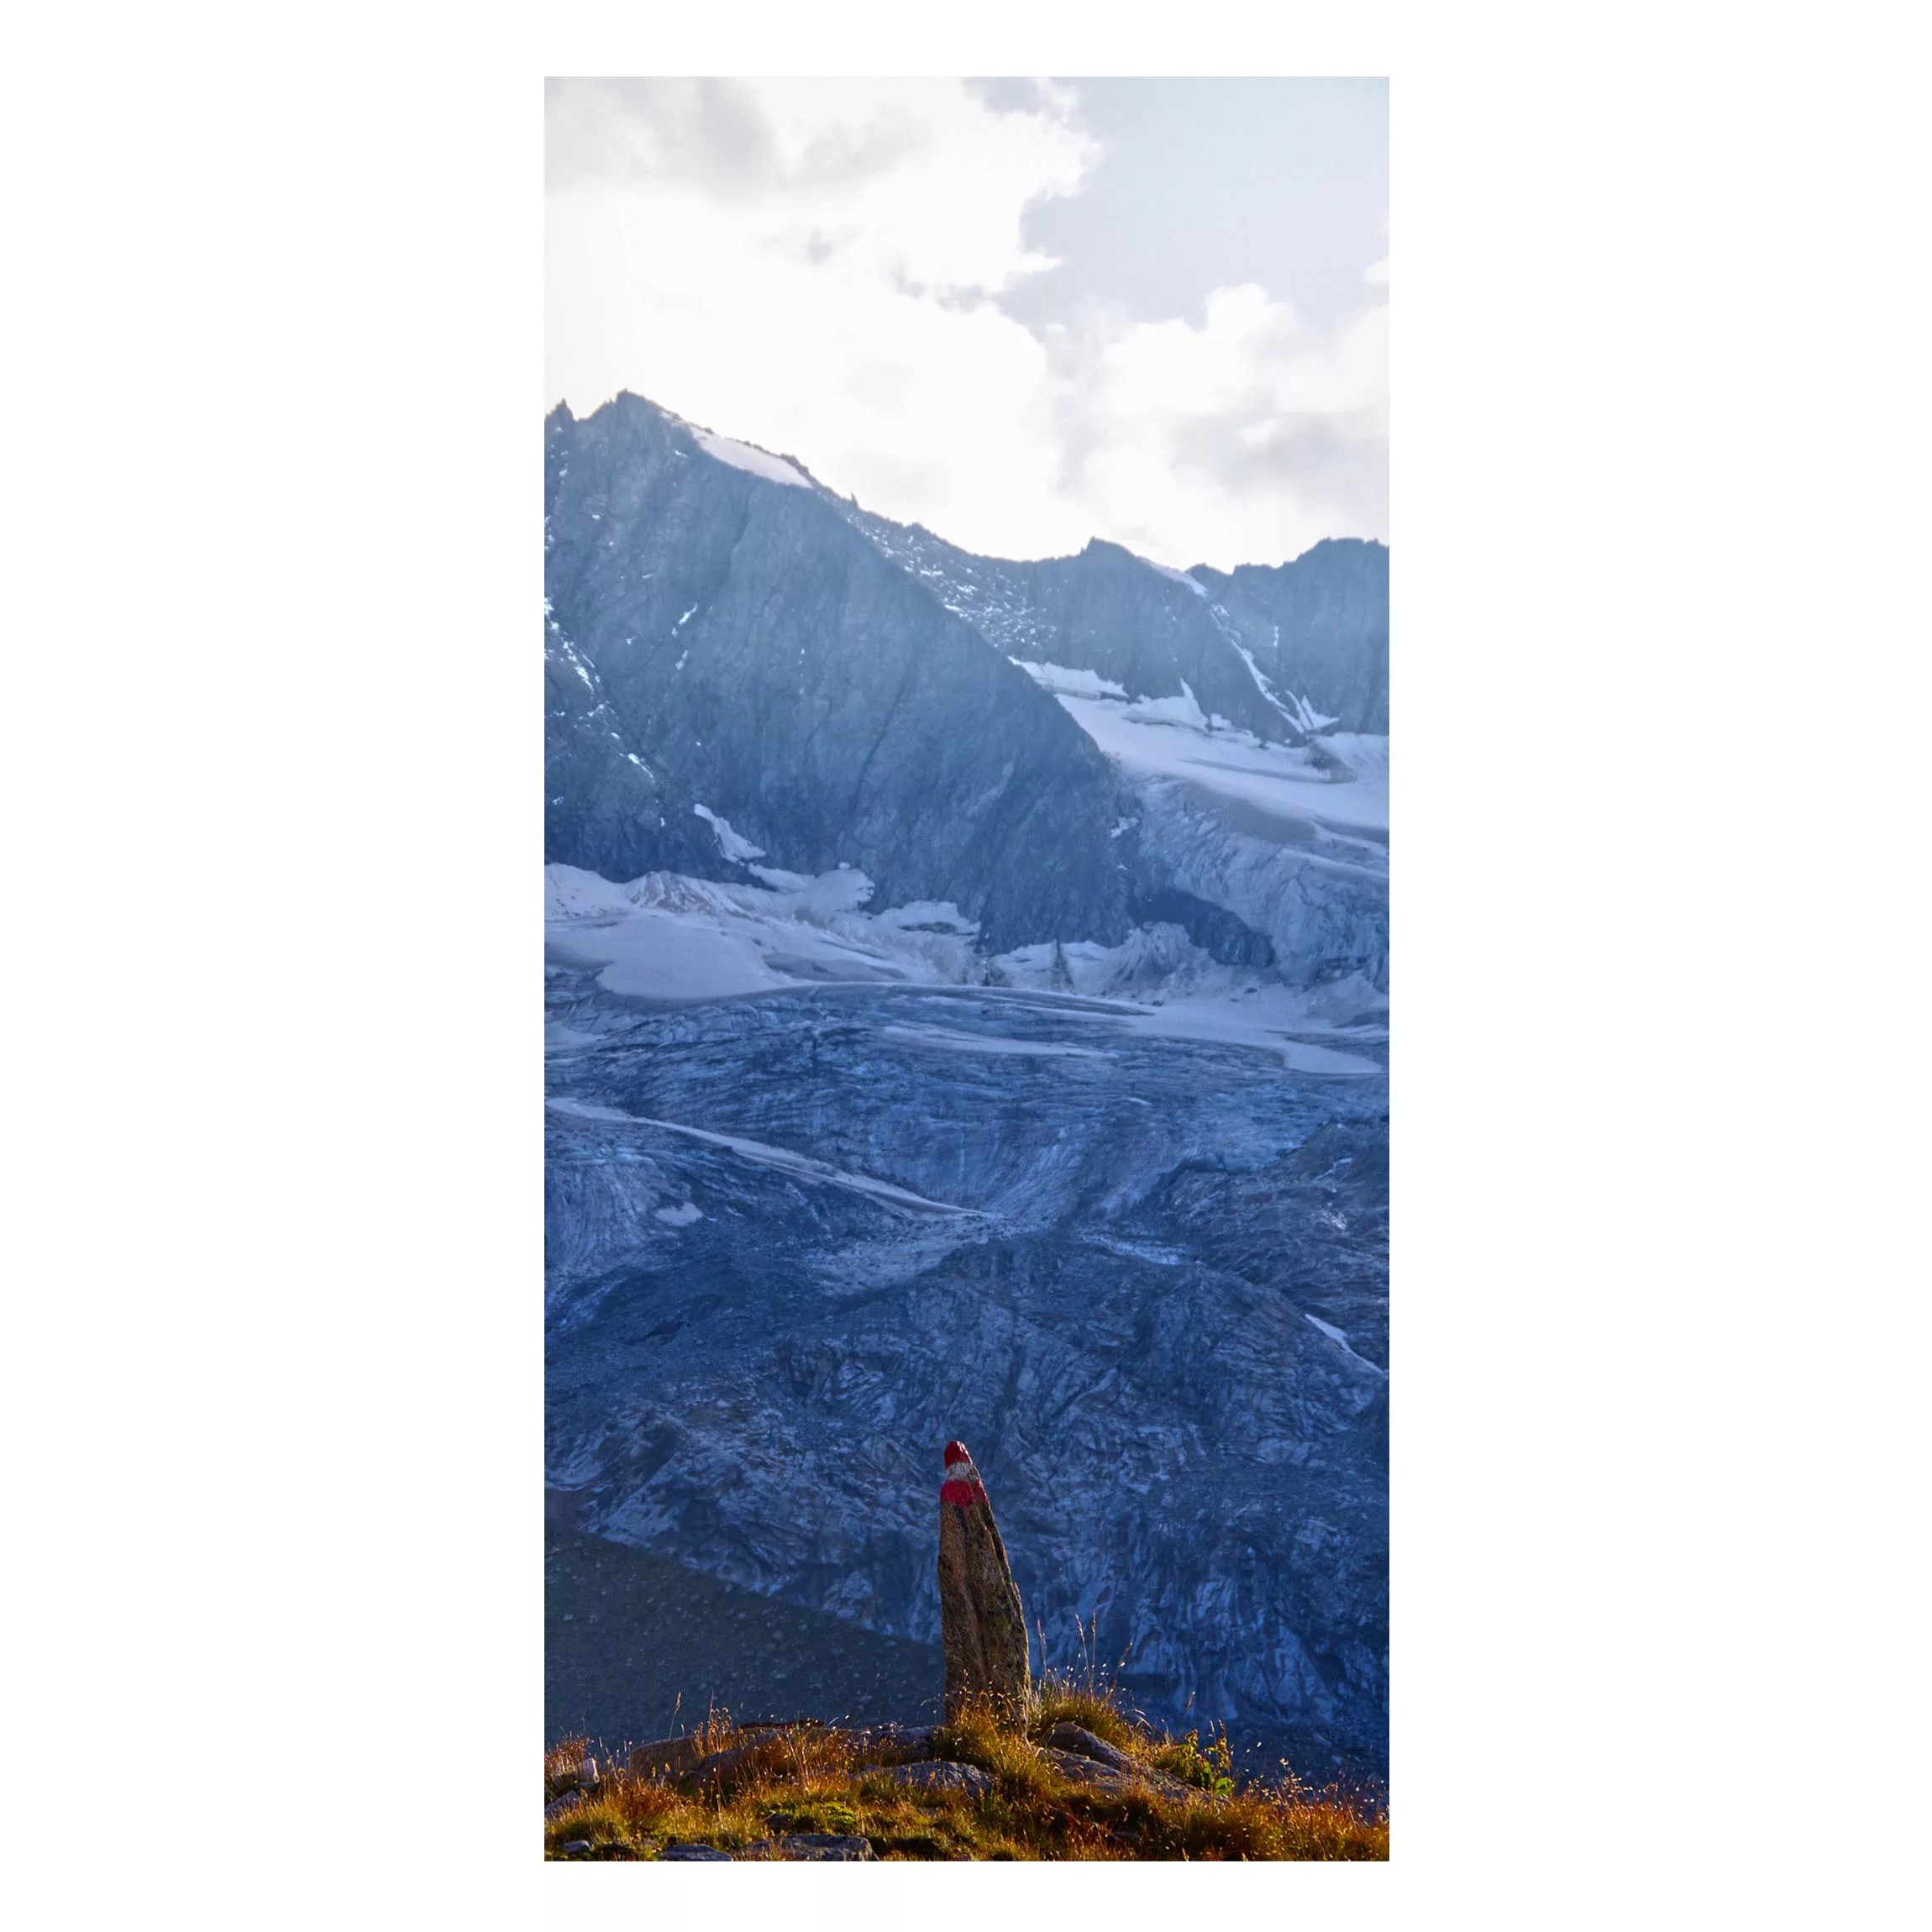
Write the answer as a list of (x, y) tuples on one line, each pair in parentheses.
[(1320, 624), (732, 675), (747, 674)]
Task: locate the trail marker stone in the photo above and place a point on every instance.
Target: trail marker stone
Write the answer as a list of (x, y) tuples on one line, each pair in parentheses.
[(982, 1627)]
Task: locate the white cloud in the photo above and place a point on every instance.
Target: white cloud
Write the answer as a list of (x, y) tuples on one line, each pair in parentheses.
[(1246, 438), (812, 266)]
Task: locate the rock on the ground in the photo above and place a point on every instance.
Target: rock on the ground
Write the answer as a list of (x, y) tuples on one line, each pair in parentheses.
[(812, 1844), (1082, 1743), (934, 1774), (888, 1744), (557, 1807), (718, 1770), (667, 1757), (691, 1854), (1077, 1768)]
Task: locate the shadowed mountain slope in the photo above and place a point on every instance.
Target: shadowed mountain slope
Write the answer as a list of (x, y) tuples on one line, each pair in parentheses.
[(718, 638)]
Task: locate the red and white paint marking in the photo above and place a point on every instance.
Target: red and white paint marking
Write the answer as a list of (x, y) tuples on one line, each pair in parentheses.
[(962, 1487)]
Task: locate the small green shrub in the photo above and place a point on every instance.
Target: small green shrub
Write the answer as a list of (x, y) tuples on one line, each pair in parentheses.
[(1211, 1770)]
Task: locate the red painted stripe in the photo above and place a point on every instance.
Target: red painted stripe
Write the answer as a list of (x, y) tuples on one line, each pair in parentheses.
[(964, 1494)]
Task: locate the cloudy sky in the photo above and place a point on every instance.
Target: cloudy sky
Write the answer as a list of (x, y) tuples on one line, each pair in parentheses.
[(1020, 313)]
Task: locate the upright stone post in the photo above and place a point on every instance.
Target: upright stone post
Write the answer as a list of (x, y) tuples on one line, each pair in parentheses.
[(982, 1627)]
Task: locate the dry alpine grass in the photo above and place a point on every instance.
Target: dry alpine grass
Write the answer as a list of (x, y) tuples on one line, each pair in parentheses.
[(804, 1780)]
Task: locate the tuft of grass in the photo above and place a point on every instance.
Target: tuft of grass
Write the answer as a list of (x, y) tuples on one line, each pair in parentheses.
[(560, 1763), (1060, 1700), (803, 1778)]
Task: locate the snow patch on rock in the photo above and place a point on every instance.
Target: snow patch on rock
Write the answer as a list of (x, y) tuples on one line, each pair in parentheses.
[(747, 457), (1074, 682), (730, 843), (1340, 781), (1178, 576)]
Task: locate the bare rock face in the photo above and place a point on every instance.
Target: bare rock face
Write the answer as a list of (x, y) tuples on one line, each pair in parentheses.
[(982, 1627), (1318, 626)]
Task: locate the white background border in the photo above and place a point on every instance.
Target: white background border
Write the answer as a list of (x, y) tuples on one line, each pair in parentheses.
[(272, 1386)]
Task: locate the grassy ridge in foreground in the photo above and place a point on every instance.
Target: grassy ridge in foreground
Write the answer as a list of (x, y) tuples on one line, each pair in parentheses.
[(806, 1781)]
